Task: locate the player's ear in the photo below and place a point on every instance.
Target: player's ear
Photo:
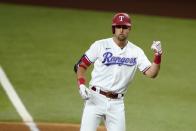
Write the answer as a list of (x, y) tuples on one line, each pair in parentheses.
[(130, 28)]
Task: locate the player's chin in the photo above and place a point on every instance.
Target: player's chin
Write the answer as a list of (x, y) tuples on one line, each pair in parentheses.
[(122, 37)]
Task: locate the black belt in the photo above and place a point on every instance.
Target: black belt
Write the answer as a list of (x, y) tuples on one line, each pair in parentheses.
[(108, 94)]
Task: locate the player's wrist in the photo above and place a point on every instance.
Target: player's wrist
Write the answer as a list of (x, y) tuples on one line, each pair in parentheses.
[(157, 58), (81, 81)]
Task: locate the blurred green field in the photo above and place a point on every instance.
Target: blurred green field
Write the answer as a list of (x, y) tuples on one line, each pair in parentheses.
[(39, 46)]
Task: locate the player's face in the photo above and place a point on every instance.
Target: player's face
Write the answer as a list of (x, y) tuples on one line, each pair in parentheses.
[(121, 32)]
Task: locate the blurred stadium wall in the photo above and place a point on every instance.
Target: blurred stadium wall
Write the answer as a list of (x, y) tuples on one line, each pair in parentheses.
[(171, 8)]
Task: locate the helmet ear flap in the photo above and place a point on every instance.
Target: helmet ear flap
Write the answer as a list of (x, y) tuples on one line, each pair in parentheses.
[(113, 29)]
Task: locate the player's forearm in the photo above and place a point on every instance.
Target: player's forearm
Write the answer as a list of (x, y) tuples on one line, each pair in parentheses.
[(81, 80), (81, 72), (153, 71)]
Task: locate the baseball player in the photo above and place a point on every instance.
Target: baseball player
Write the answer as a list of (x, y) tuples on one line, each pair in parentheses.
[(115, 62)]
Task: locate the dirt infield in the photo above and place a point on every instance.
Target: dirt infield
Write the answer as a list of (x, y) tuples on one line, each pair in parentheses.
[(6, 126)]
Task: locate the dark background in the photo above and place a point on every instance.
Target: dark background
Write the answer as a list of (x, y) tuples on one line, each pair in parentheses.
[(171, 8)]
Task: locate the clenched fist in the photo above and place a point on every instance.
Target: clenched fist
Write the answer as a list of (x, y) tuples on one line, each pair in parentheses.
[(156, 46), (84, 92)]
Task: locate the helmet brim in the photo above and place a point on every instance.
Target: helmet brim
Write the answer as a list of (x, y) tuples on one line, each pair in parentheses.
[(127, 24)]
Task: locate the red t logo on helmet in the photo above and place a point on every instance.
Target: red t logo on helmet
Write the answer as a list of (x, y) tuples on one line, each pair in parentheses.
[(121, 17)]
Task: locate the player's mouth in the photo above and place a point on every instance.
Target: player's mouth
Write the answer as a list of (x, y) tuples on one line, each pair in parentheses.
[(121, 37)]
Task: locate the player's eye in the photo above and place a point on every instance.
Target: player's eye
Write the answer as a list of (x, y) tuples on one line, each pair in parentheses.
[(122, 26)]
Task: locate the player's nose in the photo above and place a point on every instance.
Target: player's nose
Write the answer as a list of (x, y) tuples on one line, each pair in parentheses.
[(120, 29)]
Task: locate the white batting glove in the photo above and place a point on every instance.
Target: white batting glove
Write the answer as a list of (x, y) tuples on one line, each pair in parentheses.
[(156, 46), (84, 92)]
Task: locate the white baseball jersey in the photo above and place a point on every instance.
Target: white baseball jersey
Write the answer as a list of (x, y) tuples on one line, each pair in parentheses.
[(114, 68)]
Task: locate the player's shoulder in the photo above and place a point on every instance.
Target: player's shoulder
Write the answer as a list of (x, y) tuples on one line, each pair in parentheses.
[(103, 42), (134, 46)]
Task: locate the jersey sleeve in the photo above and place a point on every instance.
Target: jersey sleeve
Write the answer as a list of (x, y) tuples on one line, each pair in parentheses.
[(92, 52), (143, 62)]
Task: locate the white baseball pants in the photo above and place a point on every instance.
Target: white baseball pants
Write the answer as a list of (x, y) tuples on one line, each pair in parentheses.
[(98, 108)]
